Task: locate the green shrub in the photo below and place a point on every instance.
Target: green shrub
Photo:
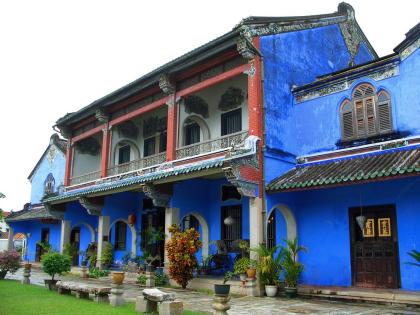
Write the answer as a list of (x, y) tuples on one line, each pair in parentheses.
[(107, 255), (141, 279), (241, 265), (70, 250), (416, 256), (97, 273), (161, 279), (55, 264), (92, 261)]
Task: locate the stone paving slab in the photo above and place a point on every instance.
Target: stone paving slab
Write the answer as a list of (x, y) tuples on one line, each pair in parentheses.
[(243, 305)]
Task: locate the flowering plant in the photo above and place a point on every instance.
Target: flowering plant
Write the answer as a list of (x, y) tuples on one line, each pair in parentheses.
[(181, 249), (9, 262)]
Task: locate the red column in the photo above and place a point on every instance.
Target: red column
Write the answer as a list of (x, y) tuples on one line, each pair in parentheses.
[(69, 162), (106, 139), (172, 128), (255, 95)]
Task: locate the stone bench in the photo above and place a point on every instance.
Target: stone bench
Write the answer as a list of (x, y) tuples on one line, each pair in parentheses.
[(82, 290), (168, 304)]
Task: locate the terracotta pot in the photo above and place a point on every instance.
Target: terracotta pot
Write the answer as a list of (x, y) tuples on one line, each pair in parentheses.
[(251, 273), (118, 277)]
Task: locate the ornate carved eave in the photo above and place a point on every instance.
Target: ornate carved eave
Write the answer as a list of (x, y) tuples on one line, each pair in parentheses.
[(245, 187), (56, 211), (101, 116), (160, 199), (245, 48), (92, 207), (166, 85)]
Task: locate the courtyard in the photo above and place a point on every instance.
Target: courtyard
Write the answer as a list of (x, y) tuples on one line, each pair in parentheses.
[(194, 301)]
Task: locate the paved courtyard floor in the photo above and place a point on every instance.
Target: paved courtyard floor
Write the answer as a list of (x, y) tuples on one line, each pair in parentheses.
[(199, 301)]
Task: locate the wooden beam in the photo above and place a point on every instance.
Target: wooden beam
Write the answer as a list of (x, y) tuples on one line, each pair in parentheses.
[(213, 81), (88, 133)]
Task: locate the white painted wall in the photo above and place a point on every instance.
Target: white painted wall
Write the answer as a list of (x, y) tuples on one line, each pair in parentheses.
[(86, 163), (212, 97)]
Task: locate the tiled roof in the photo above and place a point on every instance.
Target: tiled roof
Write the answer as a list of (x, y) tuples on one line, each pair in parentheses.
[(390, 163), (34, 213), (135, 180)]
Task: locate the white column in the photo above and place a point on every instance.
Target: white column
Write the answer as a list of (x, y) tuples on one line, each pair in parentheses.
[(256, 232), (171, 217), (103, 230), (10, 239), (65, 234)]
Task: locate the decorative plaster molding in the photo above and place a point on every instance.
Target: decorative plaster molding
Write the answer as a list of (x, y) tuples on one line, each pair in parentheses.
[(342, 85), (166, 85), (52, 153), (159, 199), (245, 48), (410, 49), (251, 71), (91, 207), (101, 116)]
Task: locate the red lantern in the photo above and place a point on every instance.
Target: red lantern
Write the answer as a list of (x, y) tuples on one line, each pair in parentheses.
[(132, 219)]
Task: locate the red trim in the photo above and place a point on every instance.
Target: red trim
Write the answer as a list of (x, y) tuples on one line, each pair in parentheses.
[(171, 132), (207, 65), (88, 133), (139, 111), (212, 81), (105, 149), (83, 122), (69, 162), (135, 98)]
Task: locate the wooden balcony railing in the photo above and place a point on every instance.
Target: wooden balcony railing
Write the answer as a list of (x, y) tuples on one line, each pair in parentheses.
[(88, 177), (137, 164), (211, 145)]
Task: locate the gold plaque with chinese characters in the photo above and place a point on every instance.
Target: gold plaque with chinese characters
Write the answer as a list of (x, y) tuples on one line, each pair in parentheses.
[(384, 225), (369, 230)]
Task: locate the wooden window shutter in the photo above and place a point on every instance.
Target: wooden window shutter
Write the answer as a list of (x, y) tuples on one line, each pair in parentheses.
[(370, 115), (384, 113), (347, 121), (360, 117)]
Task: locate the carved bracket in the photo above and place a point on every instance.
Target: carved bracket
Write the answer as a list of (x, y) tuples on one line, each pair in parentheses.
[(246, 188), (166, 85), (245, 48), (101, 116), (55, 211), (92, 208), (159, 199)]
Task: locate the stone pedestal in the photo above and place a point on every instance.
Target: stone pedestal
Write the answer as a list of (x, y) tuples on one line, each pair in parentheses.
[(84, 272), (251, 287), (145, 306), (221, 304), (150, 279), (116, 297), (82, 295), (101, 298), (26, 275), (171, 308)]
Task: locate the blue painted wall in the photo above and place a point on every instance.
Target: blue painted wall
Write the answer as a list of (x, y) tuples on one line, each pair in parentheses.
[(205, 197), (56, 168), (35, 228), (322, 225)]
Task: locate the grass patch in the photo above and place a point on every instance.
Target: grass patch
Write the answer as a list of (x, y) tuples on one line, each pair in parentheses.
[(20, 299)]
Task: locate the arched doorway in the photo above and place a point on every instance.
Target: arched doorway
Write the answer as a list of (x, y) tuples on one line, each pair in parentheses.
[(81, 235), (196, 220), (120, 239), (20, 244), (280, 222)]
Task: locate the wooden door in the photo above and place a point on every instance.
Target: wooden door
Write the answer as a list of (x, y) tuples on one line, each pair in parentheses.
[(374, 251), (75, 243)]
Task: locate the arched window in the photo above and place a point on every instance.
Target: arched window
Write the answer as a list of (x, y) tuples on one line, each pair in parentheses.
[(49, 184), (367, 114)]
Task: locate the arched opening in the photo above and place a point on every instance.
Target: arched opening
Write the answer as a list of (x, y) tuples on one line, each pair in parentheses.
[(120, 238), (195, 130), (280, 224), (81, 236), (20, 242), (193, 218), (125, 151)]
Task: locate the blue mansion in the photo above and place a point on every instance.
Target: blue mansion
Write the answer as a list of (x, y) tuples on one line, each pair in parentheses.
[(283, 127)]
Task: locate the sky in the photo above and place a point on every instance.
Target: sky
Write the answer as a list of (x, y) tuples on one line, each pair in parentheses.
[(59, 56)]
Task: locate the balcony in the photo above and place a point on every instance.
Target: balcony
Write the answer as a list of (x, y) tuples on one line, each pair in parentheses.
[(85, 178), (211, 145), (137, 164)]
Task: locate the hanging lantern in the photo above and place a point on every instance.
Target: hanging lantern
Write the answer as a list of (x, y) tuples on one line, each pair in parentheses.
[(229, 220), (132, 219), (361, 220)]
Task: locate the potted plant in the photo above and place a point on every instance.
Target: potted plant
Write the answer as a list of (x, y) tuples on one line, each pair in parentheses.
[(251, 272), (269, 267), (118, 277), (292, 268), (241, 266), (223, 289), (416, 256), (54, 264), (9, 262), (205, 264), (107, 255)]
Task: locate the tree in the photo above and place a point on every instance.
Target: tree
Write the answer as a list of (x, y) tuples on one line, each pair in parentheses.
[(55, 264), (181, 248)]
